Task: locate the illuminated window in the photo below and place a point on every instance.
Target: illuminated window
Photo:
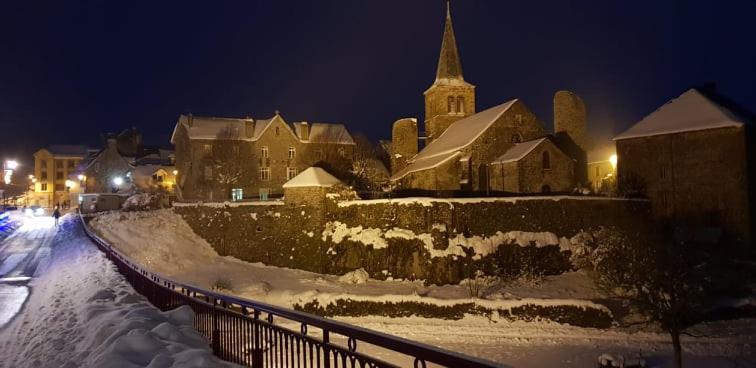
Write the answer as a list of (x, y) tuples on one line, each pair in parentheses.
[(207, 148), (237, 194), (264, 151), (292, 153), (291, 172), (265, 173), (546, 160)]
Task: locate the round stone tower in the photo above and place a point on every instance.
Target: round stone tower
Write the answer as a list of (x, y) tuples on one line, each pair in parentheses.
[(570, 117), (404, 139)]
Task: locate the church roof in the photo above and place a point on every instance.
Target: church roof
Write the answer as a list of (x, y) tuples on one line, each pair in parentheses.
[(459, 135), (449, 65), (690, 111), (312, 177), (519, 151)]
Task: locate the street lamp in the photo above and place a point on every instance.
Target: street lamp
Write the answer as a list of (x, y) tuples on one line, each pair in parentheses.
[(8, 167), (613, 161)]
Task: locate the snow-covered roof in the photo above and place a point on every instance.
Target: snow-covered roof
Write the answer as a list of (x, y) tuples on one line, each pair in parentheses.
[(324, 133), (690, 111), (518, 151), (65, 150), (312, 177), (459, 135)]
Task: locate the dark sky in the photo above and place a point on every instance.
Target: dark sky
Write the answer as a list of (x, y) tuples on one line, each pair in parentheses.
[(70, 71)]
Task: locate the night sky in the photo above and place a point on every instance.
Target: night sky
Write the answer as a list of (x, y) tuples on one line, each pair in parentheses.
[(70, 71)]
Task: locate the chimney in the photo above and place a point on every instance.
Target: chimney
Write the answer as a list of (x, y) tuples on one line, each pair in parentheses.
[(190, 120), (304, 131), (249, 127)]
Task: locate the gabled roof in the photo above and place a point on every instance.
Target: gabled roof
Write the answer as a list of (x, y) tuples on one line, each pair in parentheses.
[(457, 136), (64, 150), (312, 177), (690, 111), (203, 127), (519, 151), (324, 133)]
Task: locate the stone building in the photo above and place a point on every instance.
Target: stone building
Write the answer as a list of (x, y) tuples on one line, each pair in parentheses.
[(224, 158), (462, 144), (536, 166), (689, 158), (602, 169), (309, 187), (108, 170), (53, 167)]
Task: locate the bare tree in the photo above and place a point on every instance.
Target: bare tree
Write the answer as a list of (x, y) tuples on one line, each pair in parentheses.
[(369, 171)]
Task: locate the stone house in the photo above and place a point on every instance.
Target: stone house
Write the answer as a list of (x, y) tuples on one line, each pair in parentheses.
[(689, 157), (108, 171), (53, 167), (462, 144), (536, 166), (225, 158)]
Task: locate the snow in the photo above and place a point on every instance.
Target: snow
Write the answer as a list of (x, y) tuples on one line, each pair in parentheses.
[(82, 313), (359, 276), (459, 135), (690, 111), (312, 177), (228, 204), (325, 133), (429, 201), (518, 151)]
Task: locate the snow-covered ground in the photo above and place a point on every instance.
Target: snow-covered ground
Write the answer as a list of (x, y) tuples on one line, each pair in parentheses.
[(63, 304), (162, 241)]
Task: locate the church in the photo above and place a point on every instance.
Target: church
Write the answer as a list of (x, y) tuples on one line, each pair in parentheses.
[(504, 148)]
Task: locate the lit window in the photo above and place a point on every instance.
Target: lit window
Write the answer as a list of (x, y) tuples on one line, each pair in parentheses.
[(237, 194), (207, 148), (265, 173), (292, 153), (43, 187), (264, 151), (291, 172)]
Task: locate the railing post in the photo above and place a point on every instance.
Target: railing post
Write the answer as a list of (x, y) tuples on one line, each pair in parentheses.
[(257, 351), (216, 330), (326, 349)]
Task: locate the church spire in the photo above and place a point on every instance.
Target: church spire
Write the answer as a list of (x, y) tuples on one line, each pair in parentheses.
[(449, 66)]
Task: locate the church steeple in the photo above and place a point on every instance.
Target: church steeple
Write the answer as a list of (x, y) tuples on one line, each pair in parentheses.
[(449, 66), (449, 98)]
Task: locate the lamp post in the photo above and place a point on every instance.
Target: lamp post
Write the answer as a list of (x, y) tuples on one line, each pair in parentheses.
[(117, 182)]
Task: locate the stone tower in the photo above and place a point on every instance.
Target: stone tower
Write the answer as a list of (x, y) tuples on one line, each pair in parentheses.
[(403, 143), (570, 117), (450, 98)]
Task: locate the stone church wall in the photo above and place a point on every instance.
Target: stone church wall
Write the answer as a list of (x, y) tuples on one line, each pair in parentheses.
[(438, 241)]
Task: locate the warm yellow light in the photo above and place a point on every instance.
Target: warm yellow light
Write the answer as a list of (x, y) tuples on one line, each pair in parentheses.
[(31, 177), (34, 180), (81, 177), (175, 172), (70, 183), (613, 160)]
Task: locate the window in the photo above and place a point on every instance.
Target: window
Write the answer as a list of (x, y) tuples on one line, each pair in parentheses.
[(58, 164), (342, 151), (58, 176), (546, 160), (450, 104), (278, 131), (43, 187), (516, 138), (59, 187), (263, 192), (43, 176), (265, 173), (292, 153), (71, 164), (43, 163), (264, 151), (291, 172), (460, 104), (518, 119), (208, 172), (157, 178), (545, 189), (237, 194), (207, 148), (662, 171)]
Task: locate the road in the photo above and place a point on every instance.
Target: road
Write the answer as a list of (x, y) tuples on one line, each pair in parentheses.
[(21, 255)]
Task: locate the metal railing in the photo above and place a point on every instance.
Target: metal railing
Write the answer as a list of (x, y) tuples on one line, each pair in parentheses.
[(257, 334)]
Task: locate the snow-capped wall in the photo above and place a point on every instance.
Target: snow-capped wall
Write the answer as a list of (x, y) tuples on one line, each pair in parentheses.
[(437, 241)]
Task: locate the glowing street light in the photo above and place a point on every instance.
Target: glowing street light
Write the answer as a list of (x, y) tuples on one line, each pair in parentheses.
[(613, 161), (70, 184), (11, 165), (175, 172), (118, 181), (81, 177)]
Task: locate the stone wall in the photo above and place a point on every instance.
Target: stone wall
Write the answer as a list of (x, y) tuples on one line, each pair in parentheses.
[(434, 240)]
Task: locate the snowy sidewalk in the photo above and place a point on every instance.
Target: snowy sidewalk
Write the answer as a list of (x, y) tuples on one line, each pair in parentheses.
[(80, 312)]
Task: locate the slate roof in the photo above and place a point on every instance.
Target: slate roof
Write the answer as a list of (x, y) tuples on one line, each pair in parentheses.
[(519, 151), (690, 111), (62, 150)]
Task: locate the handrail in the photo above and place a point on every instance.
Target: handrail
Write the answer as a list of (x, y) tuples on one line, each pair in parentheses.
[(421, 352)]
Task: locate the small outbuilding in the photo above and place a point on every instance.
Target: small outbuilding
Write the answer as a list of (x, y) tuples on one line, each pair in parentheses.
[(309, 187), (535, 166)]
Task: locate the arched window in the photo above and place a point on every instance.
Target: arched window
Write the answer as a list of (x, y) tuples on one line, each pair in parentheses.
[(516, 138), (460, 104), (450, 104), (546, 160)]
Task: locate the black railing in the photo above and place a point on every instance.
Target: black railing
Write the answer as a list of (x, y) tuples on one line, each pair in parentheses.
[(257, 334)]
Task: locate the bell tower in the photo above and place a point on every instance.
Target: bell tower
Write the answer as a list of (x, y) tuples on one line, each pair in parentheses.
[(449, 98)]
